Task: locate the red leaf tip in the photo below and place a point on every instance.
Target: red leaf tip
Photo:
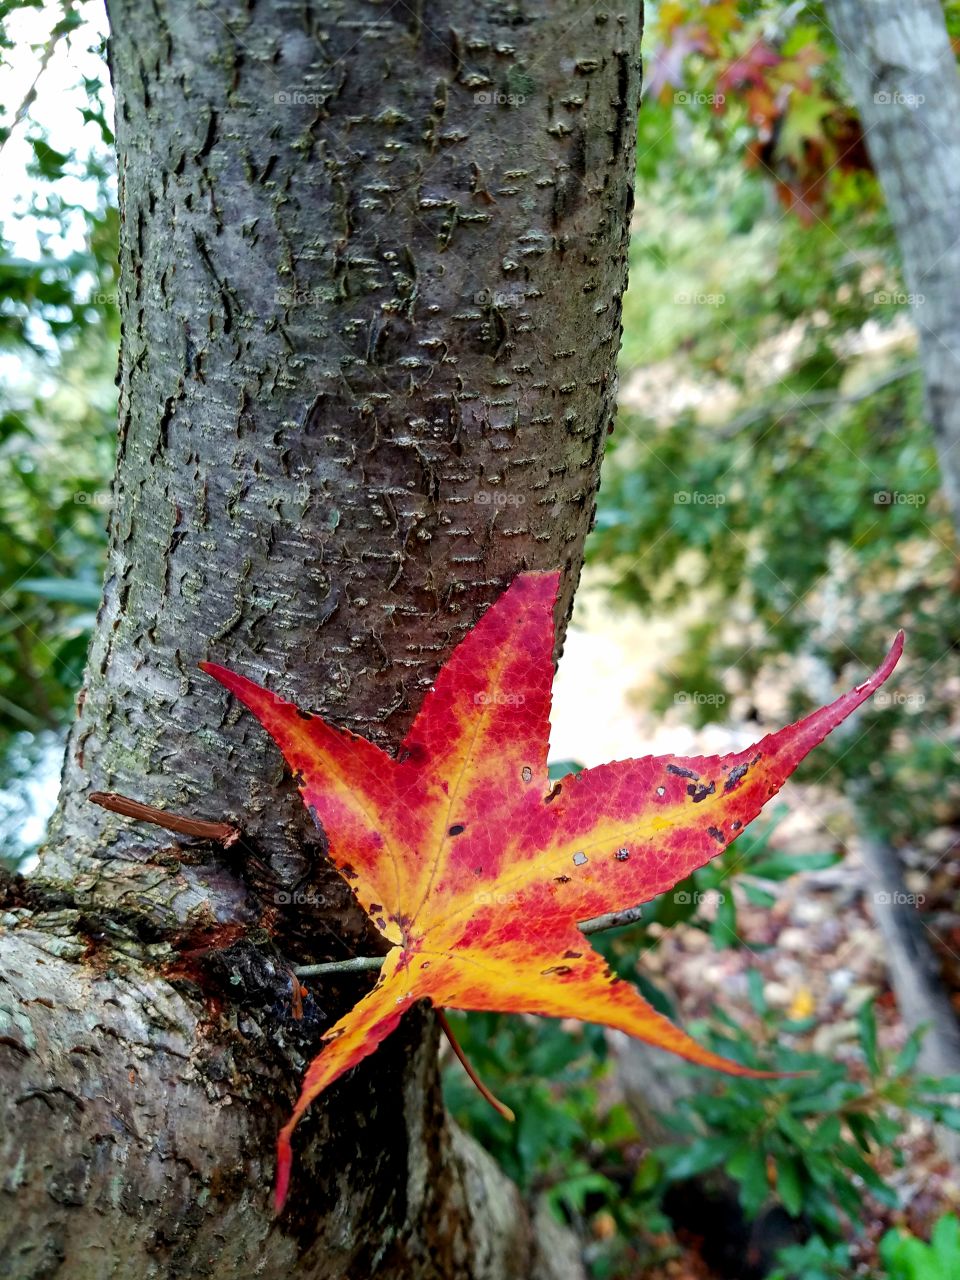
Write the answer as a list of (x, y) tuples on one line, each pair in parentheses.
[(886, 667), (284, 1162)]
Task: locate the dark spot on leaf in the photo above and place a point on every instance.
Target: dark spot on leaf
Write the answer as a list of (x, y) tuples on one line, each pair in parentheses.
[(526, 773), (573, 955), (456, 830), (381, 923), (579, 859), (701, 791), (735, 775), (553, 793), (304, 715), (333, 1035), (561, 879), (555, 968), (375, 907), (297, 777), (717, 835), (478, 871), (736, 825), (622, 855), (348, 872), (425, 964), (682, 773)]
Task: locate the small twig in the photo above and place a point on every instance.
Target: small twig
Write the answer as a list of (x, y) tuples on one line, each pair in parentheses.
[(48, 52), (339, 966), (820, 399), (612, 920), (222, 832), (497, 1105)]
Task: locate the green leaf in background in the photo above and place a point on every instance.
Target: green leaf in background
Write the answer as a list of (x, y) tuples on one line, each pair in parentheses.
[(557, 769), (867, 1022), (782, 866), (63, 590), (681, 1163), (789, 1185), (907, 1258), (817, 1259), (749, 1166)]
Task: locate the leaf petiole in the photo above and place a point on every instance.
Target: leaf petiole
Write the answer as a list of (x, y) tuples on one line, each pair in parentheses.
[(497, 1105)]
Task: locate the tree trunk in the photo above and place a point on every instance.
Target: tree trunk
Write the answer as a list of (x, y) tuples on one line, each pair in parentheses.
[(914, 971), (902, 72), (371, 266)]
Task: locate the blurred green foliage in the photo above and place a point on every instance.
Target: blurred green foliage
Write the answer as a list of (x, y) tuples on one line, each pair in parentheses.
[(904, 1257), (809, 1143), (772, 481), (808, 1140), (59, 331)]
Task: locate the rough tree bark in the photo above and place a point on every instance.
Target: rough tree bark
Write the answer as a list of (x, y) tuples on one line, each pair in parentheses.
[(902, 72), (372, 259)]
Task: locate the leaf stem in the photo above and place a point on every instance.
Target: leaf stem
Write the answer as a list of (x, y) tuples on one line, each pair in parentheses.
[(497, 1105)]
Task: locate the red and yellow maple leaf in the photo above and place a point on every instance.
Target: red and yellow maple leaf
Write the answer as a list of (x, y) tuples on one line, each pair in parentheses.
[(476, 871)]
